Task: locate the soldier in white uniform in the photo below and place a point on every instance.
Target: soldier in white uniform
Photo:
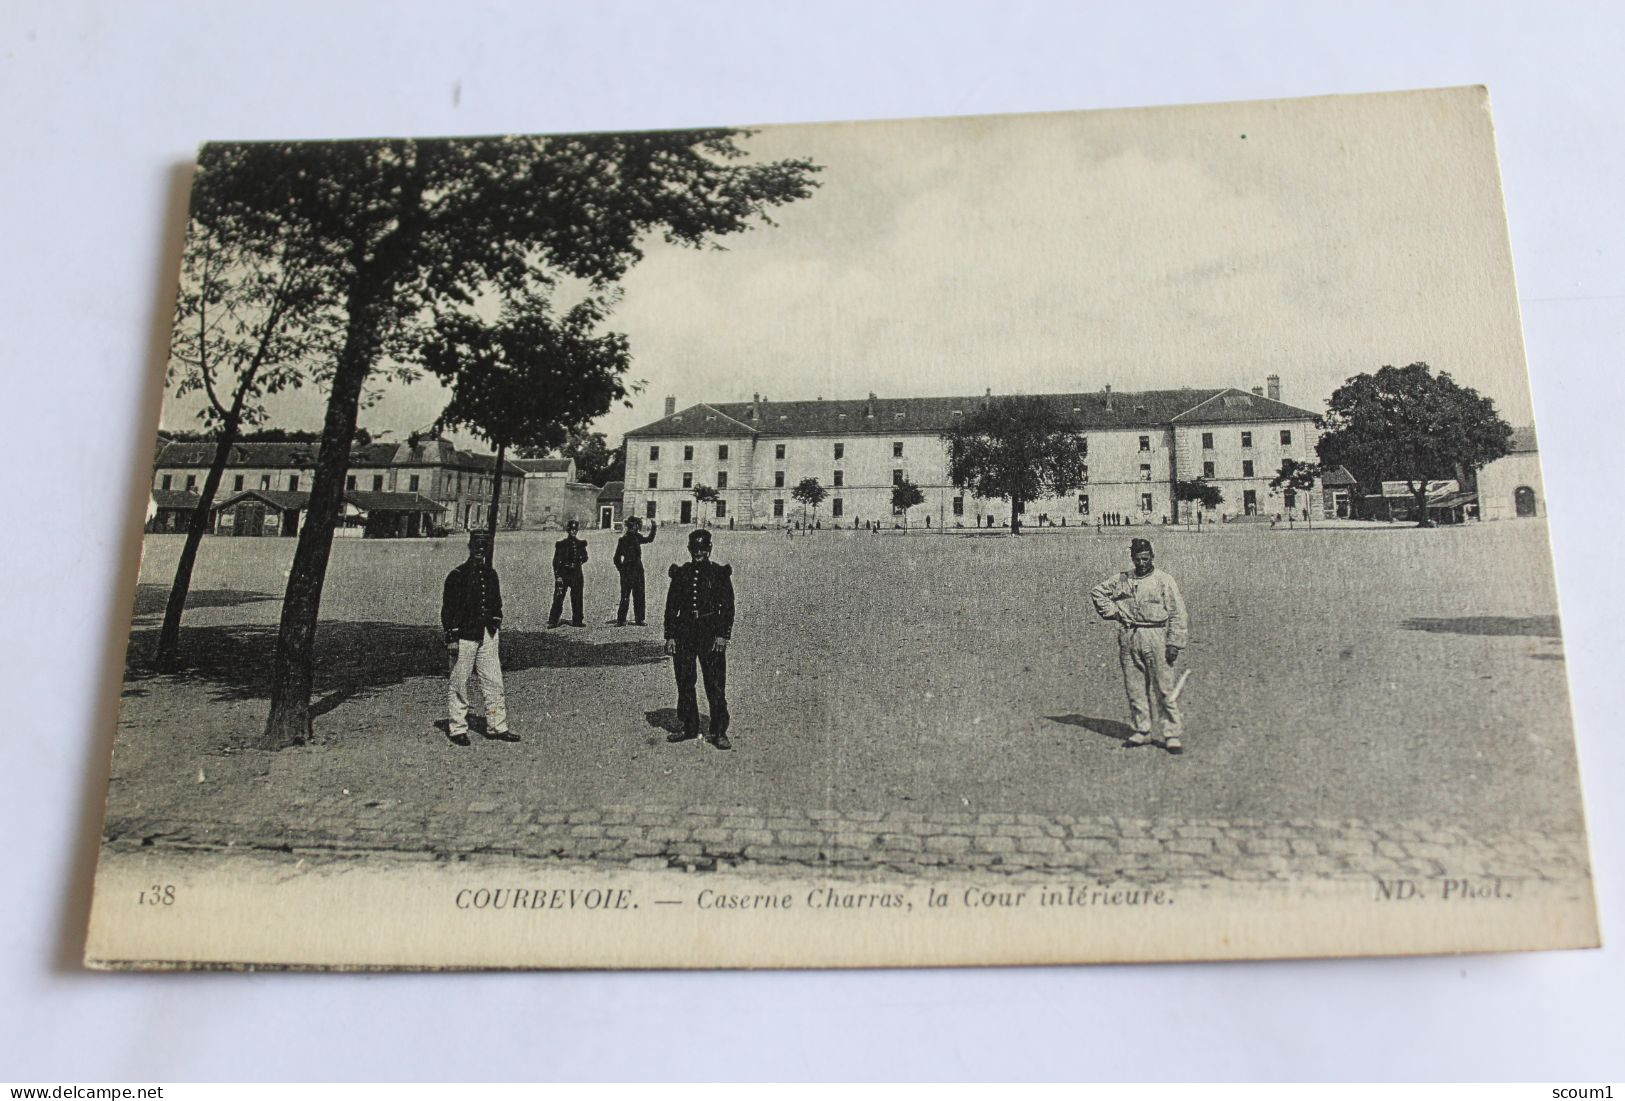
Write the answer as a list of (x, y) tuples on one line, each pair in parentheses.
[(1152, 630)]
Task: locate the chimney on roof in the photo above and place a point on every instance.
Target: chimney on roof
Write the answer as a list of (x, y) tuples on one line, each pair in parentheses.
[(1272, 387), (1108, 392), (1258, 391), (755, 403), (671, 405)]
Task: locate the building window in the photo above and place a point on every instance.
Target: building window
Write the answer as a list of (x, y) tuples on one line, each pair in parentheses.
[(1085, 472), (293, 483), (412, 483), (1145, 502), (1083, 504), (1145, 443), (778, 479), (840, 451), (722, 452), (649, 510), (688, 479), (163, 483), (1207, 470), (840, 477), (654, 454), (1286, 441), (897, 477), (191, 482), (349, 482), (959, 506), (1291, 499), (1145, 472), (265, 481), (237, 482), (722, 509), (688, 452), (377, 482), (778, 451), (722, 479), (835, 506), (1246, 468), (1246, 439), (1207, 441), (778, 507), (897, 449)]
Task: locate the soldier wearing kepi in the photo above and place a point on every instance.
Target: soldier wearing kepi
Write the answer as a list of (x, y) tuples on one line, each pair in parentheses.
[(629, 562), (471, 616), (569, 555), (699, 622), (1152, 631)]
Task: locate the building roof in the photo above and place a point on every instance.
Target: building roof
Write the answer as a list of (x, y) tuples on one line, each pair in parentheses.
[(886, 416), (1523, 440), (302, 455), (612, 491), (544, 466), (174, 498), (276, 498), (1338, 476)]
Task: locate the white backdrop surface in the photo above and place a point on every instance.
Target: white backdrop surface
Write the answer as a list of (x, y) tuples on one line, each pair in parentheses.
[(104, 102)]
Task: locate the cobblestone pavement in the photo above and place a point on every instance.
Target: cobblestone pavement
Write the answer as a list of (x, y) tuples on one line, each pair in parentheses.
[(742, 839)]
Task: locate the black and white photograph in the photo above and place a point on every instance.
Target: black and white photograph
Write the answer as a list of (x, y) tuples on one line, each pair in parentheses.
[(1064, 537)]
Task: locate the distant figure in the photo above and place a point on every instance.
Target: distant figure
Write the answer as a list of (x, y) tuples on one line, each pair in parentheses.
[(471, 616), (569, 555), (629, 563), (699, 622), (1152, 631)]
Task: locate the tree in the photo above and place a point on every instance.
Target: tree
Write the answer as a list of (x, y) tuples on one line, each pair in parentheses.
[(809, 492), (1299, 477), (406, 229), (704, 494), (527, 379), (250, 318), (1017, 449), (1408, 424), (1199, 490), (904, 496)]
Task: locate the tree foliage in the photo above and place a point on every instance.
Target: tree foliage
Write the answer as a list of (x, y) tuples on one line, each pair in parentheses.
[(401, 232), (1408, 424), (1017, 449), (810, 492), (904, 496), (1199, 490)]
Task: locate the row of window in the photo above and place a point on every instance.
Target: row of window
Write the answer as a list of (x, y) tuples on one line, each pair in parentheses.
[(1209, 468), (413, 482), (837, 506), (897, 447), (1246, 439)]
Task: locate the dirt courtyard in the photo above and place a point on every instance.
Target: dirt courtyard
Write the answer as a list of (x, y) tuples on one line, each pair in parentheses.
[(1390, 674)]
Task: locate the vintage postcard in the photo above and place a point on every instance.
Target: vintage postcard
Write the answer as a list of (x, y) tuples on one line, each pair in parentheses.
[(1074, 537)]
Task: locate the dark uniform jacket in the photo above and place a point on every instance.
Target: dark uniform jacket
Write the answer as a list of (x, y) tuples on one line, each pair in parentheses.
[(472, 601), (700, 602), (629, 549), (569, 554)]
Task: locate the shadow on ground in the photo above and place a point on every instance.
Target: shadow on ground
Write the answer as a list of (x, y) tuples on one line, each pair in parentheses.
[(354, 660), (1536, 626), (151, 599), (1109, 728)]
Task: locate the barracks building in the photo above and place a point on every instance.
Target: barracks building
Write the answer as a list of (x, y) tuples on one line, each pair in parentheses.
[(754, 453)]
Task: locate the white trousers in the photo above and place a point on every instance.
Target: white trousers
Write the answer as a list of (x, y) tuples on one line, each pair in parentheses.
[(1148, 678), (478, 659)]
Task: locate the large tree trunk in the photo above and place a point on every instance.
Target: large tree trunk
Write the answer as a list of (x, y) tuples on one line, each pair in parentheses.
[(165, 657), (292, 672), (496, 499), (1015, 515)]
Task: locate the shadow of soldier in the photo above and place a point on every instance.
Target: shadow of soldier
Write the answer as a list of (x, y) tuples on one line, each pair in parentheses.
[(1109, 728), (666, 720), (354, 660), (152, 599)]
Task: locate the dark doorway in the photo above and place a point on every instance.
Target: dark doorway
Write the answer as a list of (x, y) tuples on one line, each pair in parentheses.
[(1249, 501), (1523, 499), (250, 519), (687, 513)]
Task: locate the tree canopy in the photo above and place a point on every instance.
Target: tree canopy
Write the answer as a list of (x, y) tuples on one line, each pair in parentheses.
[(1408, 424), (810, 492), (904, 496), (1200, 490), (1017, 449)]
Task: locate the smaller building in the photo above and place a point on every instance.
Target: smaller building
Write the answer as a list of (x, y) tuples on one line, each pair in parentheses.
[(552, 497), (376, 514), (610, 504), (171, 510), (1339, 492), (1510, 487)]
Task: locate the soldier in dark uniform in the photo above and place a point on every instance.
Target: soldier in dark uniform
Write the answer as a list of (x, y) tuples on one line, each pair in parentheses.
[(699, 621), (629, 561), (471, 616), (569, 555)]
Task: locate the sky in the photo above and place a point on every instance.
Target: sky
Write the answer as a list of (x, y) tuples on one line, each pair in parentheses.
[(1142, 249)]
